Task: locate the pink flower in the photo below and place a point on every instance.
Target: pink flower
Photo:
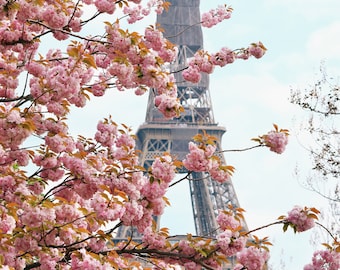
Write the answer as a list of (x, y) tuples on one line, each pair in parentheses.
[(154, 190), (192, 74), (106, 134), (132, 214), (224, 239), (154, 38), (196, 160), (83, 260), (227, 222), (14, 117), (186, 248), (223, 57), (300, 218), (97, 245), (153, 239), (125, 140), (7, 224), (105, 6), (220, 174), (168, 105), (21, 156), (53, 18), (157, 206), (324, 259), (238, 267), (257, 49), (215, 16), (276, 141), (37, 216), (7, 182), (253, 258), (163, 168), (236, 245), (134, 13)]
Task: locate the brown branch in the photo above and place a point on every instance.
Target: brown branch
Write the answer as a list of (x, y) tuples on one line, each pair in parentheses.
[(265, 226), (68, 33), (241, 150), (180, 180), (150, 253), (328, 231)]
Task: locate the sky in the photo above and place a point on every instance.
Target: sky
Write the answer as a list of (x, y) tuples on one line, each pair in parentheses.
[(248, 97)]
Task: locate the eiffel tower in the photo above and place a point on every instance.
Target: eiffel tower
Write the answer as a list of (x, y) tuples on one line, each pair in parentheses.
[(158, 135)]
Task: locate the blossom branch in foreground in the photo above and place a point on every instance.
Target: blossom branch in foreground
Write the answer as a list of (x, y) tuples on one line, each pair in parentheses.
[(276, 139), (201, 158), (59, 199)]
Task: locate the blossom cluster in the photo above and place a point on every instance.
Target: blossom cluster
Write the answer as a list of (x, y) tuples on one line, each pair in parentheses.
[(63, 197), (324, 259), (57, 81), (252, 258), (138, 12), (201, 158), (276, 140), (215, 16), (302, 219), (205, 62)]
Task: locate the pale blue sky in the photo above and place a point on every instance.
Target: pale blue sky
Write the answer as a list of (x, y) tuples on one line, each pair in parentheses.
[(248, 97)]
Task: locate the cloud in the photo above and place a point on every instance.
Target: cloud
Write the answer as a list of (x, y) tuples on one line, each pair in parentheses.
[(309, 9), (258, 90), (324, 42)]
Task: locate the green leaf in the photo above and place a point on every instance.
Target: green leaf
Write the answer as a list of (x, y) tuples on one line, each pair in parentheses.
[(285, 227)]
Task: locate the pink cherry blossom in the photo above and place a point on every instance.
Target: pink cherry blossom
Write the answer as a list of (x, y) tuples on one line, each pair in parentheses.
[(133, 212), (227, 221), (276, 141), (135, 13), (192, 74), (49, 261), (153, 239), (168, 105), (62, 197), (220, 174), (163, 168), (324, 259), (53, 18), (257, 49), (196, 160), (84, 260), (106, 133), (7, 224), (223, 57), (300, 219), (224, 239), (215, 16), (105, 6), (253, 258), (154, 190)]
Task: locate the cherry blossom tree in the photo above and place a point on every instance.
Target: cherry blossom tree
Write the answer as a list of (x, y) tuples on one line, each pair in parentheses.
[(62, 197)]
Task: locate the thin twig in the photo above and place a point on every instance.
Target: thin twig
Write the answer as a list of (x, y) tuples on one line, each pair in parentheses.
[(327, 230), (265, 226), (241, 150), (180, 180)]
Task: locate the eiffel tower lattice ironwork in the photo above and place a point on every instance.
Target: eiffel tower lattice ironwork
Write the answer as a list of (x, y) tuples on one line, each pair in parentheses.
[(158, 135)]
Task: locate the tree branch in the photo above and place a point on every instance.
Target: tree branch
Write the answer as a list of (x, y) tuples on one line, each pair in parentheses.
[(241, 150)]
